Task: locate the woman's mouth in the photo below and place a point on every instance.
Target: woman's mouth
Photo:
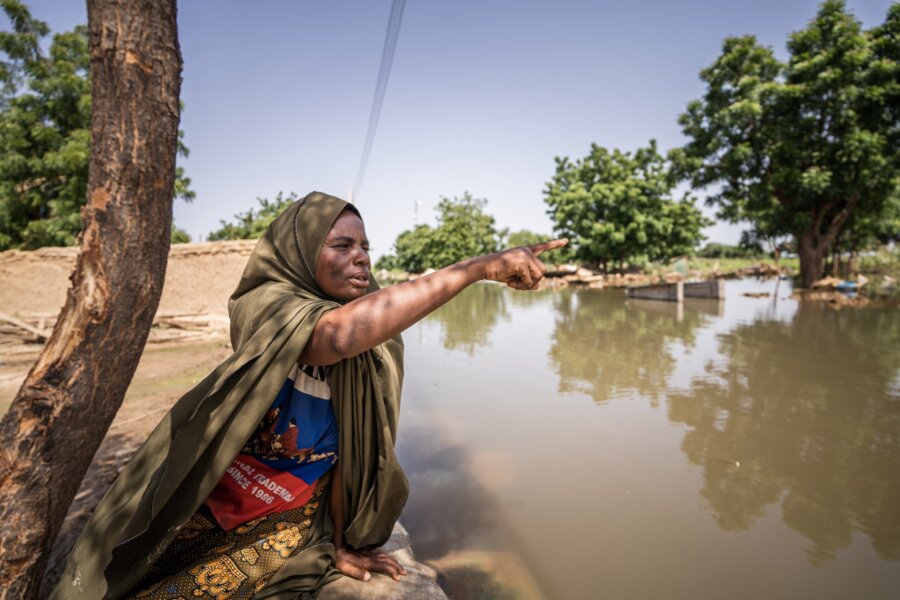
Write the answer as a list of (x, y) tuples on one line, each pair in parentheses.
[(360, 280)]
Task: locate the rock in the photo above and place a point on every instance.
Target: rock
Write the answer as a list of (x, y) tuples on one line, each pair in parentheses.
[(553, 282), (583, 273), (827, 282), (560, 270), (835, 300), (420, 583), (673, 277)]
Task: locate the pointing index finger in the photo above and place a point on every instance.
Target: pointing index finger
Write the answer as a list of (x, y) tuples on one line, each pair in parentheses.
[(541, 247)]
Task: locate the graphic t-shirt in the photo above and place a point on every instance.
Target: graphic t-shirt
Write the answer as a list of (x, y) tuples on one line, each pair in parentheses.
[(295, 444)]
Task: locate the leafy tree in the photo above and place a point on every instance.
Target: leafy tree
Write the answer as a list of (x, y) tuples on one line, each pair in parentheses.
[(413, 251), (800, 148), (180, 236), (463, 230), (251, 224), (45, 119), (617, 207), (865, 232), (523, 237)]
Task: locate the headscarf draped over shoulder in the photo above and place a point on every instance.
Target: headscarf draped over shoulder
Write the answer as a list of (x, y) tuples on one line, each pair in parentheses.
[(273, 313)]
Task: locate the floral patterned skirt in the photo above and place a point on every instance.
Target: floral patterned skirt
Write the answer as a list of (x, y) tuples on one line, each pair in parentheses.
[(206, 562)]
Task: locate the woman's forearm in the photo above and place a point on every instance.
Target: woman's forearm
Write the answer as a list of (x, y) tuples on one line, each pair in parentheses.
[(368, 321), (375, 318)]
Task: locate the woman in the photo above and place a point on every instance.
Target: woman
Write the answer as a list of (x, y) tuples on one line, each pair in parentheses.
[(233, 495)]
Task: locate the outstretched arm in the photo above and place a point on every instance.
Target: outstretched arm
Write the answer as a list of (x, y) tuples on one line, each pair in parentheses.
[(374, 318)]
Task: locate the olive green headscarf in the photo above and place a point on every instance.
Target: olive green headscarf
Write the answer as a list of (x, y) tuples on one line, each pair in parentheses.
[(273, 312)]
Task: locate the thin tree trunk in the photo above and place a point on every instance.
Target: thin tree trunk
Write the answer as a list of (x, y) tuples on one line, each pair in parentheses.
[(72, 393)]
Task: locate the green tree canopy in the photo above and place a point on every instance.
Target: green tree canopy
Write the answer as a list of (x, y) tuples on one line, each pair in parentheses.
[(45, 118), (251, 224), (524, 237), (463, 230), (179, 236), (800, 148), (617, 207)]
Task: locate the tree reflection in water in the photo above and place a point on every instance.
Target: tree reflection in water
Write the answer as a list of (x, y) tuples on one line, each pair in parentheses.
[(467, 321), (804, 413), (605, 347)]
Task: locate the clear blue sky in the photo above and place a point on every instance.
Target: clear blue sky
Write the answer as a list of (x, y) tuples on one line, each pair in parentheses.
[(482, 96)]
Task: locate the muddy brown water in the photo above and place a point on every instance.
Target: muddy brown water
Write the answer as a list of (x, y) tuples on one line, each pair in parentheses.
[(748, 448)]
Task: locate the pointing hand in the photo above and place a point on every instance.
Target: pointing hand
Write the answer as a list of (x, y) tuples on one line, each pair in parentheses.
[(520, 268)]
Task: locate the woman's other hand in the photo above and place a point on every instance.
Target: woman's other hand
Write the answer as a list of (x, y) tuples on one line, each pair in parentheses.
[(519, 268), (361, 564)]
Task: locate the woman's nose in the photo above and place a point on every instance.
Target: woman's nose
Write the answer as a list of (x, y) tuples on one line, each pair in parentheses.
[(361, 258)]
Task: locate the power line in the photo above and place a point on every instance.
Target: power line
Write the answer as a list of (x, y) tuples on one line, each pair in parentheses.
[(384, 72)]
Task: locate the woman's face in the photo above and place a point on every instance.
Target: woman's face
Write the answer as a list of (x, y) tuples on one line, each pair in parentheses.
[(343, 267)]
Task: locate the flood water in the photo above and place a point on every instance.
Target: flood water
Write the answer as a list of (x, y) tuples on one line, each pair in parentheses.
[(748, 448)]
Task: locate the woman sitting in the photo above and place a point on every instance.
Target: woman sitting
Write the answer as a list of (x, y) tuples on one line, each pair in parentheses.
[(276, 473)]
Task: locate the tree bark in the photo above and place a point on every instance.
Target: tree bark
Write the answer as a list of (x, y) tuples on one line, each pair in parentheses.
[(811, 255), (68, 400), (814, 244)]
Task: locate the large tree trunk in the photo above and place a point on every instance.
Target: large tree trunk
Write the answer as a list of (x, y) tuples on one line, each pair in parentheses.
[(814, 244), (62, 411), (811, 256)]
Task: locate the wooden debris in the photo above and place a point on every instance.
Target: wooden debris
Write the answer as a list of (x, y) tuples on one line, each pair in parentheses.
[(41, 334)]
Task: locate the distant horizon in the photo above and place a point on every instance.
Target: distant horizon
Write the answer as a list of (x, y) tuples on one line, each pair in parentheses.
[(481, 98)]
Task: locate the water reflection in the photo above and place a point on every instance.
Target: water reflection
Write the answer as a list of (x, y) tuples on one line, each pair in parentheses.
[(468, 321), (605, 347), (763, 464), (440, 472), (804, 413)]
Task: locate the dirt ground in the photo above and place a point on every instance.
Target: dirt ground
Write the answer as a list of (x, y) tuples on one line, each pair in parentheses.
[(33, 286), (199, 280)]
